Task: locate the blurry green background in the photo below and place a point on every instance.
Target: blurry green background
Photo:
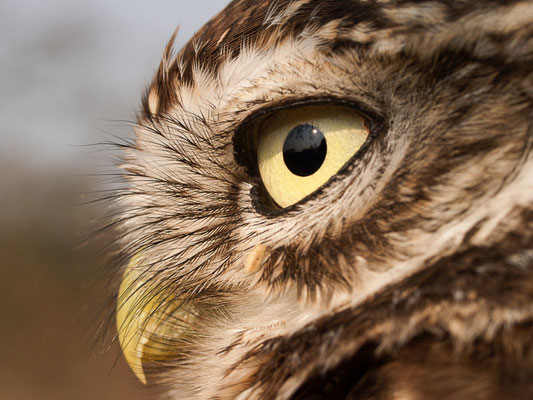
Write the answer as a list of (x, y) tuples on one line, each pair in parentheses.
[(71, 71)]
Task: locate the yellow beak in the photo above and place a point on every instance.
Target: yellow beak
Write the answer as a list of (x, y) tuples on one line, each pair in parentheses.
[(142, 320)]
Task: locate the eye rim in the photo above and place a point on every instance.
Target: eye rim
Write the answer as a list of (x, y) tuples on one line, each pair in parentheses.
[(245, 152)]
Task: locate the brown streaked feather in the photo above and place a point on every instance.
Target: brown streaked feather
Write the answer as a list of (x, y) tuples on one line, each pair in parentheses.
[(410, 271)]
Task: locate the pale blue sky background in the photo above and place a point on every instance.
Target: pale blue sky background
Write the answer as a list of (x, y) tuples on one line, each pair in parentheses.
[(66, 67)]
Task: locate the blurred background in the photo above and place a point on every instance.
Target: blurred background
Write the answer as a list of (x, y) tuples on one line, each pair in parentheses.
[(72, 74)]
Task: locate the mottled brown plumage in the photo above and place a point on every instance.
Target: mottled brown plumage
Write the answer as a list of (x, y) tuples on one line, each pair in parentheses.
[(409, 274)]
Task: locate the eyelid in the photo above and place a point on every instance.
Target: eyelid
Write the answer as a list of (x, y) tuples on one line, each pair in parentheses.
[(245, 142)]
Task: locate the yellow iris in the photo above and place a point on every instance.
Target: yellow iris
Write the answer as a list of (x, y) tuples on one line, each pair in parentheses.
[(343, 129)]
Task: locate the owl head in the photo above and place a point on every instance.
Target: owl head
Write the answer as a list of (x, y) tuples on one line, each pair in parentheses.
[(335, 199)]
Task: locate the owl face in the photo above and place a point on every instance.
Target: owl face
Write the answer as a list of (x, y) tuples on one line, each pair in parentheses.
[(334, 198)]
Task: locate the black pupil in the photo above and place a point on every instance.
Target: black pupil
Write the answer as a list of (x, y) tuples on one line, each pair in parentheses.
[(304, 150)]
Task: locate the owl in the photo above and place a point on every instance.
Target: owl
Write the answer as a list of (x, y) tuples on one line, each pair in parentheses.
[(333, 199)]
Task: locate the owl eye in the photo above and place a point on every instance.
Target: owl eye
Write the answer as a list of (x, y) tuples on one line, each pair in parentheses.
[(300, 148)]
